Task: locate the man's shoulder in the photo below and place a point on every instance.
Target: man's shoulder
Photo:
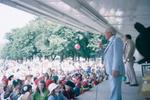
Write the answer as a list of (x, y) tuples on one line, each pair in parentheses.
[(118, 39), (130, 42)]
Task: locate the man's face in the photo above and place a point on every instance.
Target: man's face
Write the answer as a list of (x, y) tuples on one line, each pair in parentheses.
[(107, 35)]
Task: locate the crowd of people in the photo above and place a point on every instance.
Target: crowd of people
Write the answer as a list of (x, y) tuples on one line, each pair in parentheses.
[(41, 79)]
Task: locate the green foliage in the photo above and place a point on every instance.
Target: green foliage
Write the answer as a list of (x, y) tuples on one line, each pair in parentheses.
[(43, 38)]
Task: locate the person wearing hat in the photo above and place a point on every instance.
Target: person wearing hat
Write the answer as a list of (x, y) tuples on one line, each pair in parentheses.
[(28, 80), (55, 93), (68, 92), (26, 93), (55, 78)]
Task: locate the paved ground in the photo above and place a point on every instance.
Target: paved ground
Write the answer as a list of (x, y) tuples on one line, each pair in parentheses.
[(101, 92)]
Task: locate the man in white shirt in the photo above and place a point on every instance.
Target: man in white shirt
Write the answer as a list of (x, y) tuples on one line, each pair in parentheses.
[(129, 49)]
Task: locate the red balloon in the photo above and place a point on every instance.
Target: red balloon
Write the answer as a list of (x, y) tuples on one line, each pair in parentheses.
[(77, 46)]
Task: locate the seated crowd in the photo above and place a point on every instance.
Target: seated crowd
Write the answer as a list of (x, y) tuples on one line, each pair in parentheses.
[(51, 85)]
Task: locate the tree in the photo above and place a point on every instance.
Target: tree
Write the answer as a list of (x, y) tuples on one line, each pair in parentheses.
[(22, 41), (45, 39)]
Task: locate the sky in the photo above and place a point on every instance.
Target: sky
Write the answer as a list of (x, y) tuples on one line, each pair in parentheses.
[(11, 18)]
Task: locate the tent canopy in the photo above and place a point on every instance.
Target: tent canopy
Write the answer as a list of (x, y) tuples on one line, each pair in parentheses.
[(90, 15)]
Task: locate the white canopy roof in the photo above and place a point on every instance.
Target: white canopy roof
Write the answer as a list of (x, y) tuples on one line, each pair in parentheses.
[(90, 15)]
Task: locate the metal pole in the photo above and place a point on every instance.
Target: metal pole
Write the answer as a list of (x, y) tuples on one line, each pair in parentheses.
[(96, 92)]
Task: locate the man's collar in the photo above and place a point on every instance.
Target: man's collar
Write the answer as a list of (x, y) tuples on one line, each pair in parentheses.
[(109, 43), (111, 38)]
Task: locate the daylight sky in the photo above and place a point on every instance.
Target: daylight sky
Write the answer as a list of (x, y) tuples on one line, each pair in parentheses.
[(11, 18)]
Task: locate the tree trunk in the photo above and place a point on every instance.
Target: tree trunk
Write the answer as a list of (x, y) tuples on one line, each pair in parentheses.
[(61, 58), (53, 57)]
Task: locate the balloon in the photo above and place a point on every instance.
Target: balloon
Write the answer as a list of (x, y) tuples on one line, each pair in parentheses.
[(77, 46)]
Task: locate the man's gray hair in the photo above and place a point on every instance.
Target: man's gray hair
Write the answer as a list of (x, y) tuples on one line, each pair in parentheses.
[(112, 30)]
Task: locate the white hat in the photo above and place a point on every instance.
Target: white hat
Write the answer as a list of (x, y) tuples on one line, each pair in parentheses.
[(51, 87)]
